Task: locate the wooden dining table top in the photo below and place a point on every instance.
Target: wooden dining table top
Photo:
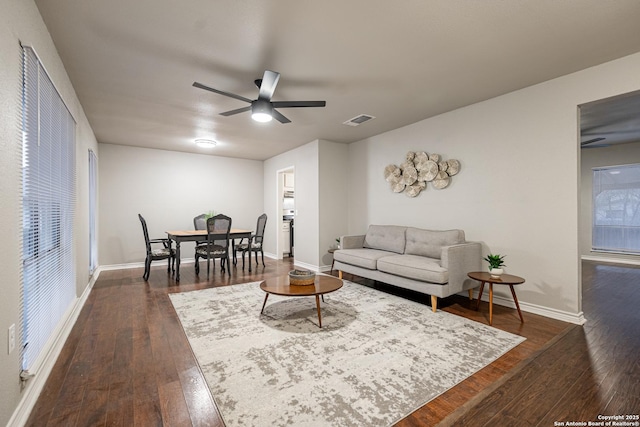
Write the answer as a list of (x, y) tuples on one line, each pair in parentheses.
[(184, 233)]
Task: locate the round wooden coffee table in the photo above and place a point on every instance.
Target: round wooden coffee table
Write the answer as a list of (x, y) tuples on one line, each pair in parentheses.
[(280, 286), (504, 279)]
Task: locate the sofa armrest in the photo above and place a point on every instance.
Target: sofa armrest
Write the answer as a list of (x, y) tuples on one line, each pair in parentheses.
[(352, 242), (460, 260)]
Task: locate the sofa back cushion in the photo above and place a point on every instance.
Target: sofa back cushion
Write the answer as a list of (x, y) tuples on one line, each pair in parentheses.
[(429, 243), (386, 238)]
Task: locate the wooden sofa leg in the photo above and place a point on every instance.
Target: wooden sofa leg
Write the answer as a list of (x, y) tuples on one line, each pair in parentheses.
[(339, 274), (434, 303), (471, 294)]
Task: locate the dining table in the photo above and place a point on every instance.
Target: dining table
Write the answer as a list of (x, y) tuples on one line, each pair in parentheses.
[(180, 236)]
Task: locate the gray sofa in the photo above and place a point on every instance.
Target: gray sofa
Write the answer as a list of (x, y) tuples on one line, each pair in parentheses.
[(427, 261)]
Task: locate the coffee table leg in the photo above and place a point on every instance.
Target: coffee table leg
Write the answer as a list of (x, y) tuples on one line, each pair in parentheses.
[(515, 299), (480, 295), (265, 302), (490, 303), (318, 307)]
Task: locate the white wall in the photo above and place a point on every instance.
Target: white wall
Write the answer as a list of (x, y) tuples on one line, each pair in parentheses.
[(168, 189), (320, 197), (333, 165), (304, 160), (20, 22), (518, 187), (623, 154)]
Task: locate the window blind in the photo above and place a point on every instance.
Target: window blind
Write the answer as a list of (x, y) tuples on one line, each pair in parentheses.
[(93, 188), (616, 209), (48, 198)]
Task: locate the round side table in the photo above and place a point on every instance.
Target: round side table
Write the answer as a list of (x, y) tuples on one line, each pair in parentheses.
[(331, 251), (504, 279)]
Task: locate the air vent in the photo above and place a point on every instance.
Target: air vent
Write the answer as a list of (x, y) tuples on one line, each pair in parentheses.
[(358, 120)]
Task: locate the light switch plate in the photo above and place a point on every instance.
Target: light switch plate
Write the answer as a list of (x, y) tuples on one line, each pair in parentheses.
[(11, 338)]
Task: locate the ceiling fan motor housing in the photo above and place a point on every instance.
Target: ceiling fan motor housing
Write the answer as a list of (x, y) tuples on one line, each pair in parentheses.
[(261, 110)]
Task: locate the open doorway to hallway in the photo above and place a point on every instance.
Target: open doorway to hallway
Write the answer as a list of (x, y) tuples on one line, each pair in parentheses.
[(286, 213)]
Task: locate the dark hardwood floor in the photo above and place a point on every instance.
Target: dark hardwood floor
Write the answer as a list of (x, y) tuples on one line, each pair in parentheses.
[(127, 361), (587, 371)]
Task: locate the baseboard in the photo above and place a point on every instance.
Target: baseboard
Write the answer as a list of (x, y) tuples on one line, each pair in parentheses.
[(141, 264), (627, 261), (306, 266), (121, 266), (565, 316), (45, 363)]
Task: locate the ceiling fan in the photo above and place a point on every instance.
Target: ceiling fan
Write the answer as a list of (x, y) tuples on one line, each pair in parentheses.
[(584, 144), (263, 109)]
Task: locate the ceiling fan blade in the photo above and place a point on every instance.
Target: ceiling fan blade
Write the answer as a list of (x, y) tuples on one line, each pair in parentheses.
[(279, 117), (297, 104), (237, 111), (230, 95), (268, 86), (586, 147), (591, 141)]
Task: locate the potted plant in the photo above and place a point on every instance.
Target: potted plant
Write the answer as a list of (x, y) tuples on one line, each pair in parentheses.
[(496, 262), (338, 242)]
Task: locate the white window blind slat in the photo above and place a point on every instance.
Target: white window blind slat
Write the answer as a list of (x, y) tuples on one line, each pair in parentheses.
[(48, 208)]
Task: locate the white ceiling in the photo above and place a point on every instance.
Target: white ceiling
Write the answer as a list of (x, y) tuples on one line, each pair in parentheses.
[(610, 121), (133, 62)]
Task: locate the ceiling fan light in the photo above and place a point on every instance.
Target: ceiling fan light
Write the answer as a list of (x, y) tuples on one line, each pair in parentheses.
[(261, 117), (261, 111)]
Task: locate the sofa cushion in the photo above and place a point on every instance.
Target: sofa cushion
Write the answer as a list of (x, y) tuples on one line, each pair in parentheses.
[(414, 267), (386, 238), (365, 258), (429, 243)]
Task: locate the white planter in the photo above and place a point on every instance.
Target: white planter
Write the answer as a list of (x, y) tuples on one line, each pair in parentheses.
[(496, 272)]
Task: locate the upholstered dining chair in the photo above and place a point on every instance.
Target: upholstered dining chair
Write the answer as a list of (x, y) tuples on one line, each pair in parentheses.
[(156, 254), (255, 242), (218, 228), (200, 222)]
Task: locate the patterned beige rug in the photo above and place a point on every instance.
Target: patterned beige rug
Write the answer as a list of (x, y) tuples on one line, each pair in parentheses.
[(377, 358)]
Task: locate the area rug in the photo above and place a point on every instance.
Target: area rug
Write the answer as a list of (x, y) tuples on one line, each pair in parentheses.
[(377, 358)]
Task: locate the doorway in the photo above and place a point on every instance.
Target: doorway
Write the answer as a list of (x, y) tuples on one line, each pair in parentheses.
[(609, 138), (286, 213), (609, 145)]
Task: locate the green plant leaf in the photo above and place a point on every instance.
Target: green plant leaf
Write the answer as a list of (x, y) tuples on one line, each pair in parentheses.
[(495, 260)]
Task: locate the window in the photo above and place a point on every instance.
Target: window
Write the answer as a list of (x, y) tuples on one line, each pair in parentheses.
[(616, 209), (93, 189), (48, 198)]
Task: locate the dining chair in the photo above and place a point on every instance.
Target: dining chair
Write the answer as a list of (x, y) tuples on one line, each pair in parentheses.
[(218, 228), (200, 222), (156, 254), (255, 242)]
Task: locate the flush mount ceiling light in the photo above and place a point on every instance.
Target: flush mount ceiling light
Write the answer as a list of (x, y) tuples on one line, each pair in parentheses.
[(261, 111), (207, 143)]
